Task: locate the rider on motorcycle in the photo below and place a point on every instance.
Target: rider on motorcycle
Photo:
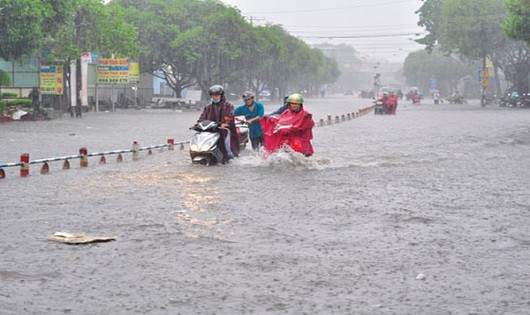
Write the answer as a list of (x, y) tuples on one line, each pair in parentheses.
[(416, 97), (252, 111), (391, 103), (292, 128), (384, 100), (222, 112)]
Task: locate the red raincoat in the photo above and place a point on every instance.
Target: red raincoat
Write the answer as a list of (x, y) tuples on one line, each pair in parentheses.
[(290, 128), (392, 104)]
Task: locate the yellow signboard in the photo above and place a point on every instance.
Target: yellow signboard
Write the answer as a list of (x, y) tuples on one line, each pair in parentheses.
[(134, 72), (113, 70), (51, 80)]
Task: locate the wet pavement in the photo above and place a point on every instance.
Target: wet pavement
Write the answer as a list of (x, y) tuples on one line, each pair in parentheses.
[(441, 191)]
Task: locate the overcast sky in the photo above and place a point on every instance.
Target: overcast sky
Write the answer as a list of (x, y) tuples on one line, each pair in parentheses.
[(377, 29)]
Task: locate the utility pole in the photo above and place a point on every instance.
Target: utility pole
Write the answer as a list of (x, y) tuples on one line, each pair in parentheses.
[(484, 73), (251, 19)]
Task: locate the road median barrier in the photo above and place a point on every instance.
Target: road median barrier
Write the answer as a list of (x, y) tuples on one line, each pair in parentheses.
[(84, 156)]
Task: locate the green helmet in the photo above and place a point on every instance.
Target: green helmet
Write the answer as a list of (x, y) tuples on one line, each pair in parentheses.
[(295, 99)]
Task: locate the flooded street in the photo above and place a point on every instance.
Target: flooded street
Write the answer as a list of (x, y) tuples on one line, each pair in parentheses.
[(441, 191)]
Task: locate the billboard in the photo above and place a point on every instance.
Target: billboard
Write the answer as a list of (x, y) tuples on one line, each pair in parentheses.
[(51, 80), (113, 70)]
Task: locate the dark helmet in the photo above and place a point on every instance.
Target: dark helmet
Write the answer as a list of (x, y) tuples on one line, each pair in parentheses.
[(216, 90), (248, 95)]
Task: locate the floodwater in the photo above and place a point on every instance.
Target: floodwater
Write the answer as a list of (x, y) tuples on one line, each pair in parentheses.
[(425, 212)]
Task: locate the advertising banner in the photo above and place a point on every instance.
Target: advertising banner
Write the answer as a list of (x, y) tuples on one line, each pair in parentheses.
[(134, 72), (113, 70), (51, 80)]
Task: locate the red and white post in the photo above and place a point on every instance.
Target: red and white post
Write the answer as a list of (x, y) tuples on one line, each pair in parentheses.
[(83, 162), (24, 168)]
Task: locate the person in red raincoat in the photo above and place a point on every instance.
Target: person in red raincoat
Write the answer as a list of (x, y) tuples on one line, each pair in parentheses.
[(392, 103), (293, 128)]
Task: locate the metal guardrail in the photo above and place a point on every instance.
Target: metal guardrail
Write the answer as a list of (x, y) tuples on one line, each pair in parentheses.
[(83, 156)]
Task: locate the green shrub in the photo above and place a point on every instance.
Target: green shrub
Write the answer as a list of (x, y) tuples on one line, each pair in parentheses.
[(8, 95), (16, 102)]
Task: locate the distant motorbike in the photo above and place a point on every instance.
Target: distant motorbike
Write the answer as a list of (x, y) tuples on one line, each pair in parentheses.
[(379, 108), (515, 100), (456, 99), (416, 99), (525, 100), (203, 145), (242, 130)]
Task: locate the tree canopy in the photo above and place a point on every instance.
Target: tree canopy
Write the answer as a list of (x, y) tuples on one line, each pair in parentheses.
[(196, 42), (473, 29), (517, 25), (186, 42)]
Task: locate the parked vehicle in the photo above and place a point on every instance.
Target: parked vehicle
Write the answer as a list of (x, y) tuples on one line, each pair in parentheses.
[(456, 98)]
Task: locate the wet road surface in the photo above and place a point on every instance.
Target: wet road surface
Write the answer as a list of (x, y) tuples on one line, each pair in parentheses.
[(442, 191)]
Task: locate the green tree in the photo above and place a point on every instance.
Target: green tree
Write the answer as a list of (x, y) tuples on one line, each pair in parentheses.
[(517, 25), (28, 24), (429, 18), (21, 25), (260, 53), (189, 42), (470, 27), (221, 56), (204, 42), (473, 29), (96, 27), (420, 66)]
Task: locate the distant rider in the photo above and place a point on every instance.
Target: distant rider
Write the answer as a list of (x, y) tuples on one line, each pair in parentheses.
[(392, 103), (416, 97), (384, 101), (293, 128), (252, 111)]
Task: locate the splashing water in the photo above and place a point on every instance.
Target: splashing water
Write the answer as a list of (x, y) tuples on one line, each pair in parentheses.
[(285, 159)]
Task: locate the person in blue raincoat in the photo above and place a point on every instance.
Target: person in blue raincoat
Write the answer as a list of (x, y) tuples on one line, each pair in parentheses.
[(252, 111)]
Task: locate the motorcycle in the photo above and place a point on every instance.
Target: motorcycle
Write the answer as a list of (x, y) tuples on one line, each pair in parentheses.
[(525, 100), (379, 108), (242, 130), (203, 145), (416, 99)]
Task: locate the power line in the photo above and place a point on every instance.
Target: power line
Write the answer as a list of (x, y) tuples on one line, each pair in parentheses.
[(354, 27), (364, 36), (333, 9)]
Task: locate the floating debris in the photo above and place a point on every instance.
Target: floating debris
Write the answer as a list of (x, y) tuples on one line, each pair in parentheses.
[(421, 276), (68, 238)]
